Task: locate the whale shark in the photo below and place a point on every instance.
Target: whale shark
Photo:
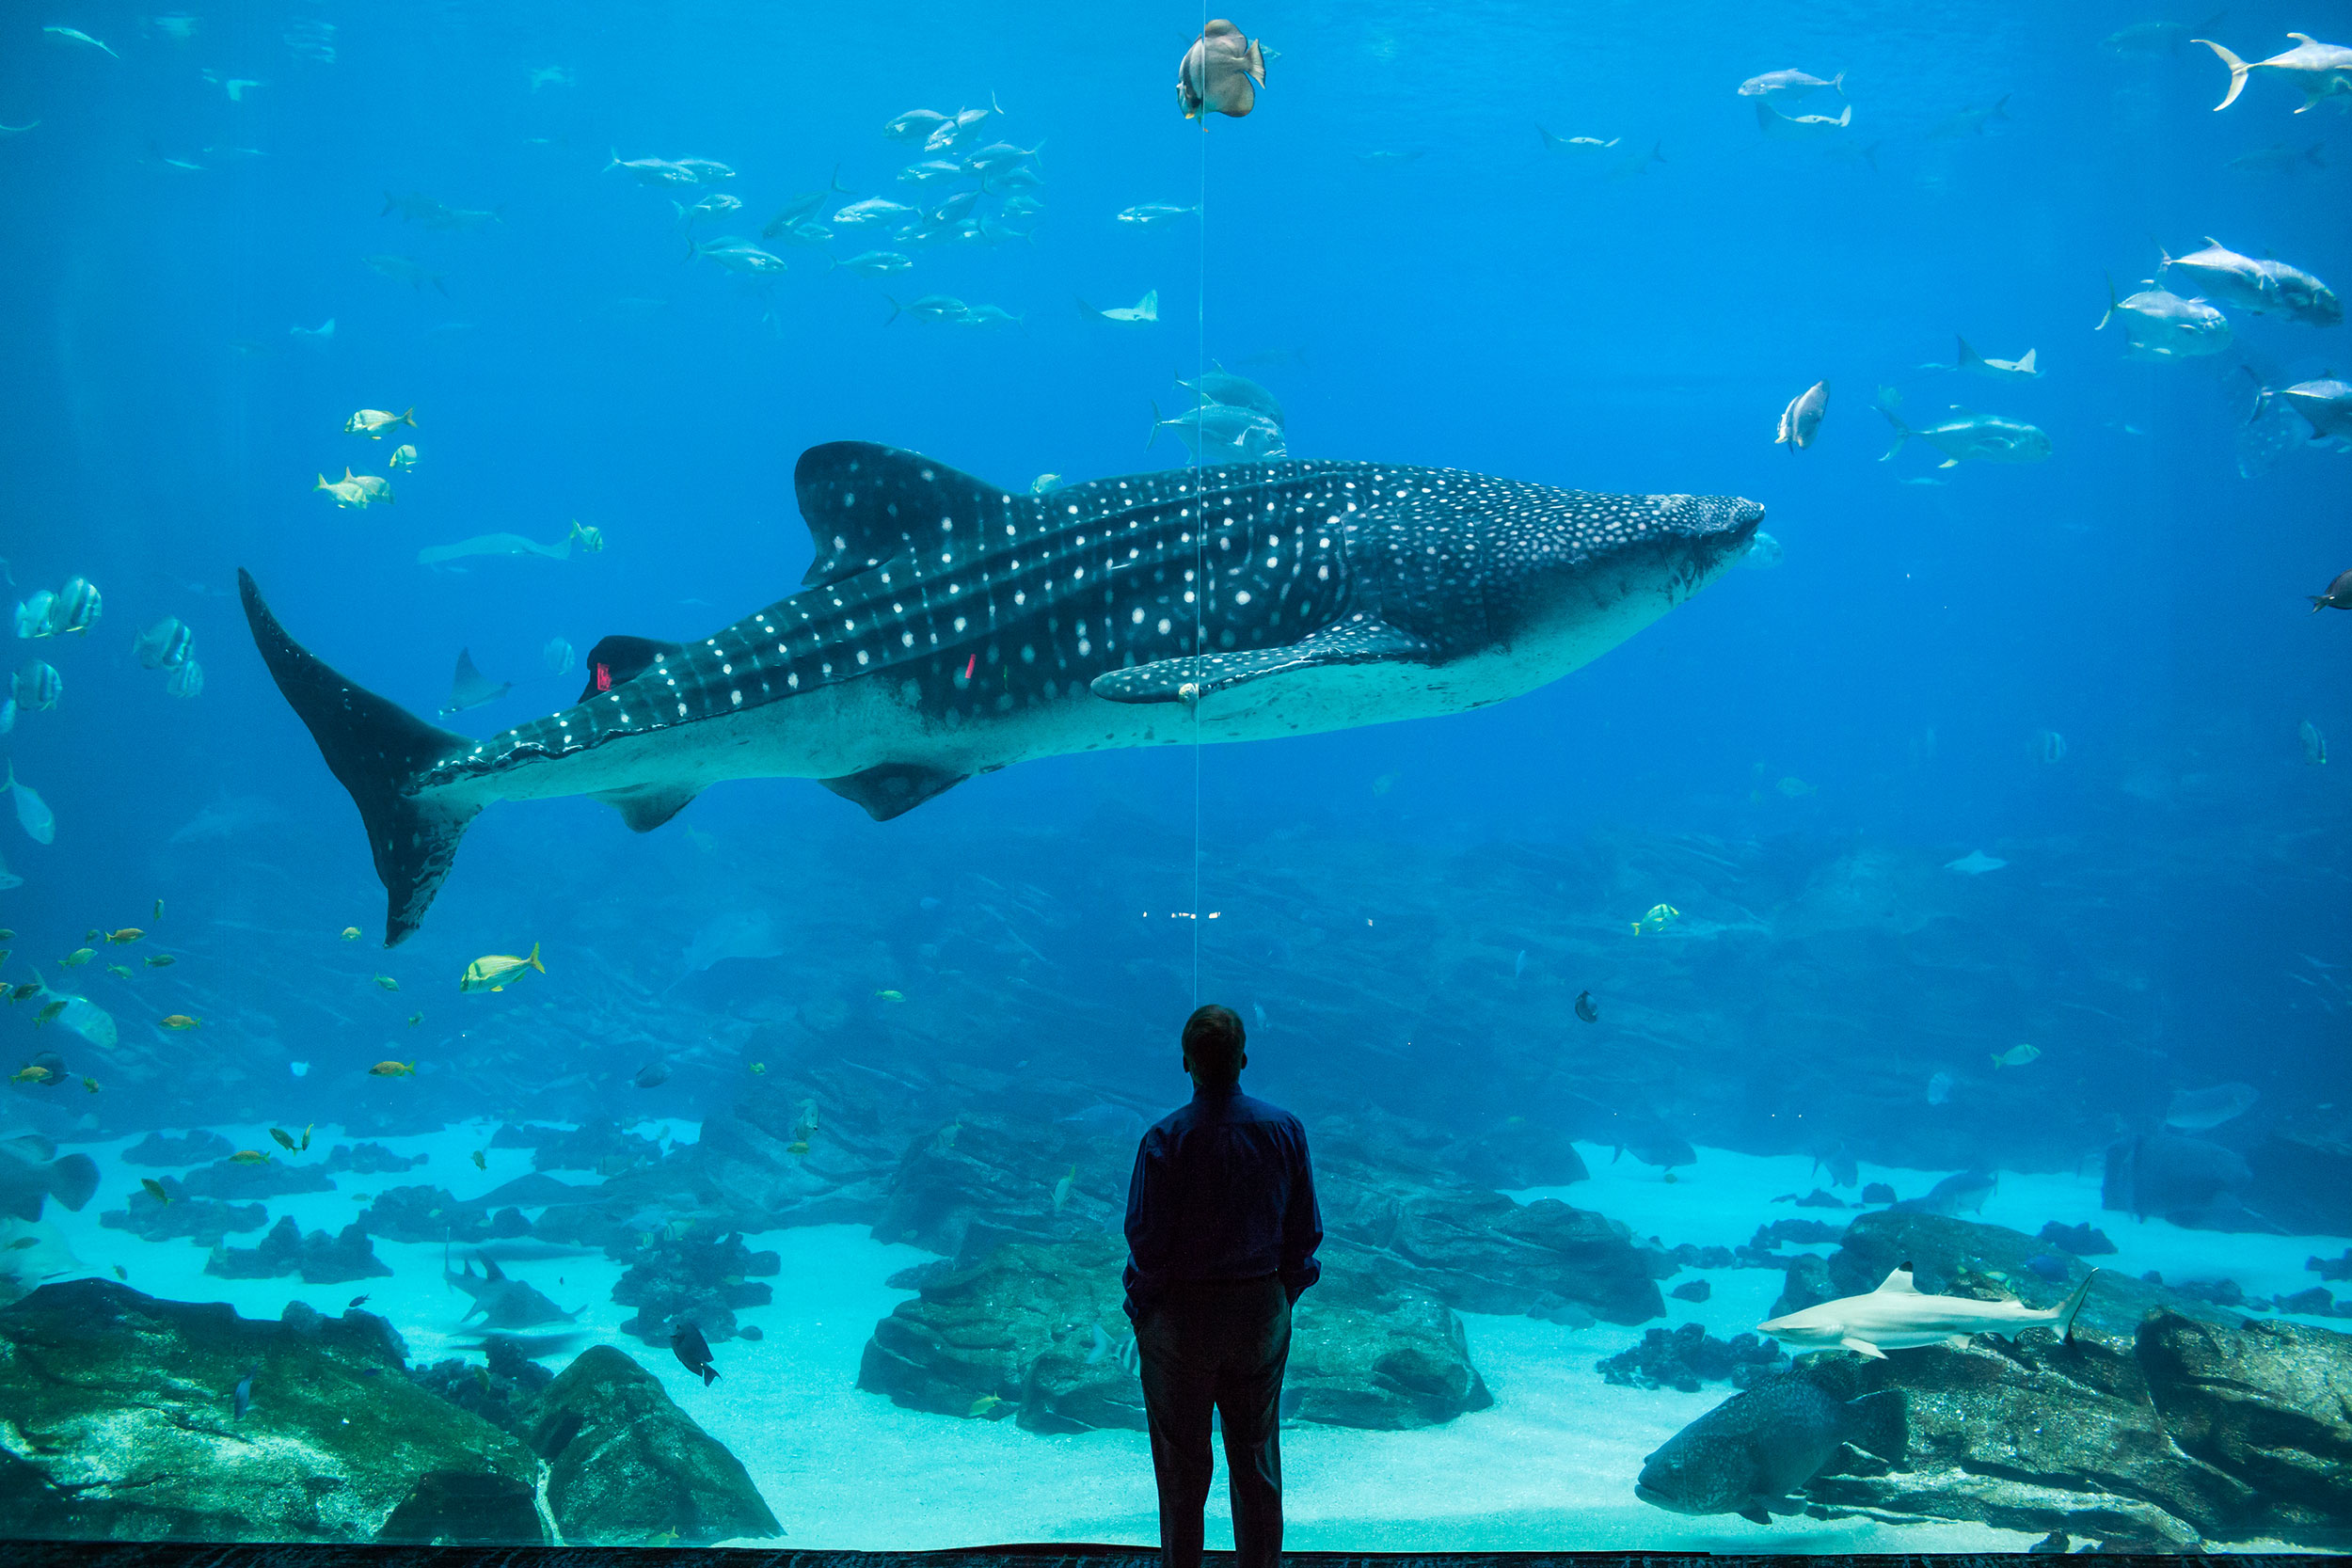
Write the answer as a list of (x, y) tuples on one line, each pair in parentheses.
[(947, 627)]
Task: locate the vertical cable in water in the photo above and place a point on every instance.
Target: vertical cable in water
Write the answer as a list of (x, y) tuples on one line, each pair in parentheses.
[(1201, 517)]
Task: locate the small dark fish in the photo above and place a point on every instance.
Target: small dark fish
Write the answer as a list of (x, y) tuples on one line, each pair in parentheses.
[(155, 1189), (2339, 594), (1584, 1008), (22, 1242), (285, 1140), (479, 1163), (1220, 73), (120, 1274), (242, 1394), (693, 1352), (652, 1075), (2049, 1266)]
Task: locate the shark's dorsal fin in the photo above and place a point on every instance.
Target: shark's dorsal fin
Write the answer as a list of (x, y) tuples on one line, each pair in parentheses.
[(616, 659), (1361, 639), (1898, 1282), (864, 503)]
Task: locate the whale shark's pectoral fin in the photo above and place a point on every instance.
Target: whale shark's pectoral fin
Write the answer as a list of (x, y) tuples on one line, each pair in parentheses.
[(1863, 1347), (1359, 639), (648, 806), (892, 788)]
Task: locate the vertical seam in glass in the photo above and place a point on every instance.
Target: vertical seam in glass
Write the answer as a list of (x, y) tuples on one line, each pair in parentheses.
[(1201, 521)]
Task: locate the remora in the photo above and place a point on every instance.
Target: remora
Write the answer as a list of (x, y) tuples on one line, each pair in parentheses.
[(949, 627)]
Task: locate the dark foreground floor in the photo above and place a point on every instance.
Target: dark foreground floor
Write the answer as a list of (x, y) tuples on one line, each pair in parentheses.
[(46, 1554)]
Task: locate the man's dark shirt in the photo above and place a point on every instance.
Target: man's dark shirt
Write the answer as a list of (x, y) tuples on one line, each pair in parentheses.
[(1222, 1190)]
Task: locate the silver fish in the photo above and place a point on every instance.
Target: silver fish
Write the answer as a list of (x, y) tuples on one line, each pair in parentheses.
[(1802, 420), (1220, 73), (1979, 437)]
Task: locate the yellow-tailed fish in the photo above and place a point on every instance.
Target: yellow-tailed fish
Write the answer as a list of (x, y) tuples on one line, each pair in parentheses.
[(180, 1021), (155, 1189), (493, 971), (393, 1069)]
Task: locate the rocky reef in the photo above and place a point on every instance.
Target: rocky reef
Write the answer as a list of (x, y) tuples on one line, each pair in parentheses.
[(2175, 1433), (318, 1258), (370, 1160), (123, 1417), (1036, 1332), (234, 1181), (186, 1148), (202, 1220), (435, 1214), (626, 1466), (701, 1276), (1690, 1357)]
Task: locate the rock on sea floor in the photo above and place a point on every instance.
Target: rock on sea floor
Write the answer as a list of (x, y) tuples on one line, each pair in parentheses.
[(2178, 1434), (626, 1466), (119, 1421), (1036, 1331)]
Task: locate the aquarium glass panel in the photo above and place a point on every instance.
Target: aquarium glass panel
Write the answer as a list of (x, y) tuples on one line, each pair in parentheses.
[(658, 650)]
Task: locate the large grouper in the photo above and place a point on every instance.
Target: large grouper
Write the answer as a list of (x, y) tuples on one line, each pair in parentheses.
[(947, 627)]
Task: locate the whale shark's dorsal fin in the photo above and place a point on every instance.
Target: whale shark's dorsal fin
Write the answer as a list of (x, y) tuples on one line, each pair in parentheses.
[(1899, 1283), (864, 503), (616, 659)]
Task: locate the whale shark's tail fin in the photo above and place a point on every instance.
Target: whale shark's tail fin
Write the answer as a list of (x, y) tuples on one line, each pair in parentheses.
[(378, 749)]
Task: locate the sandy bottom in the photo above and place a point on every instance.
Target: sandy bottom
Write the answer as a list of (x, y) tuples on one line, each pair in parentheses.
[(1551, 1466)]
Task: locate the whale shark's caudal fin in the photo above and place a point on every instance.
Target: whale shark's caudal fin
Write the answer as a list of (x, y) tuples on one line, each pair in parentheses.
[(376, 748)]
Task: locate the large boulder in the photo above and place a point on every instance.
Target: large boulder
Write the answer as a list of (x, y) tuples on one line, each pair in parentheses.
[(2178, 1433), (117, 1420), (626, 1466), (202, 1220), (318, 1258), (1038, 1332), (1478, 1251), (985, 1178)]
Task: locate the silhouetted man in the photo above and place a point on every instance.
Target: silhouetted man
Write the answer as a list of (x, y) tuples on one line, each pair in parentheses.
[(1221, 1234)]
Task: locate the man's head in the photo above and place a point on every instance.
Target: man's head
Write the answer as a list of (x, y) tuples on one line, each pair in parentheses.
[(1213, 1046)]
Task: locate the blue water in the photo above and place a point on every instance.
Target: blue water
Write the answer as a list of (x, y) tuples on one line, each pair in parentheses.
[(2172, 913)]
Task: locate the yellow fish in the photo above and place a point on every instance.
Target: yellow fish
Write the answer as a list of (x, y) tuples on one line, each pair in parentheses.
[(415, 1018), (985, 1405), (249, 1157), (1658, 919), (492, 971), (76, 958), (306, 1136), (180, 1021), (346, 493), (759, 1068), (2016, 1056), (403, 457), (388, 982), (159, 960), (155, 1189), (351, 933), (892, 996), (376, 421), (797, 1146), (1061, 1189), (591, 539), (159, 909), (120, 972), (393, 1070), (90, 1084), (30, 1075), (129, 933)]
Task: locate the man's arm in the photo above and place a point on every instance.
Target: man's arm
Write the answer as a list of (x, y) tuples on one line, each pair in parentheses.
[(1302, 1224), (1147, 1227)]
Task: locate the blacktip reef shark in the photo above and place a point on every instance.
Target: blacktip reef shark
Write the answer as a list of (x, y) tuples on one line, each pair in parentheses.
[(1900, 1316), (949, 627)]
